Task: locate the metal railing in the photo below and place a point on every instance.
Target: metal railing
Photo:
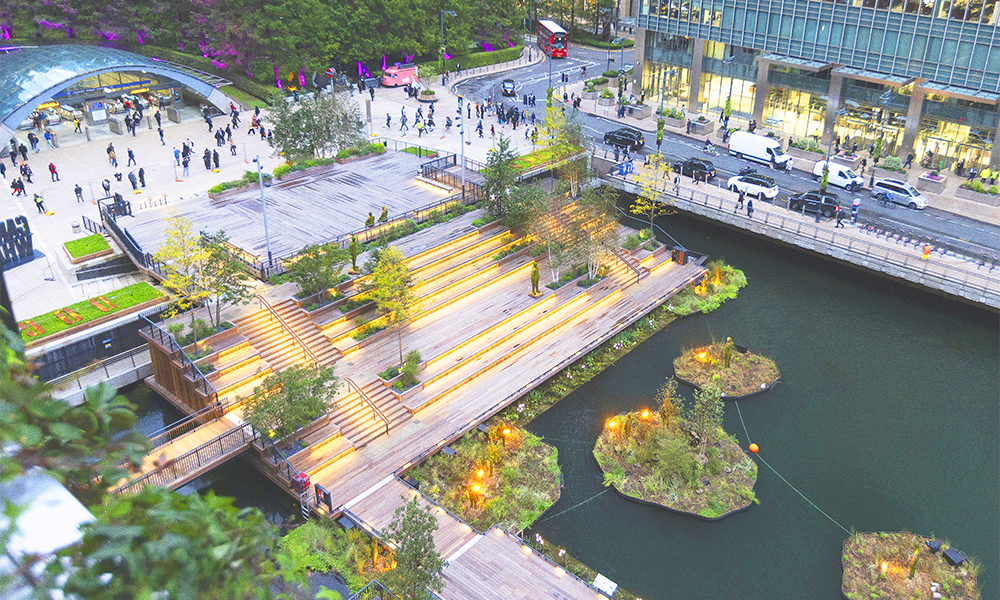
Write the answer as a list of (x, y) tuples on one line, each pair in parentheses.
[(931, 273), (143, 260), (625, 261), (288, 329), (374, 591), (201, 383), (127, 356), (208, 453), (185, 425), (91, 225), (366, 400), (280, 462)]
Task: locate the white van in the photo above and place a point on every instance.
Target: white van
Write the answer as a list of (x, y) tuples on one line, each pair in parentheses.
[(840, 176), (743, 144)]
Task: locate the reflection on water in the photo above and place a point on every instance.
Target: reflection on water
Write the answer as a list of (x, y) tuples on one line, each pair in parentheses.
[(886, 418), (236, 478)]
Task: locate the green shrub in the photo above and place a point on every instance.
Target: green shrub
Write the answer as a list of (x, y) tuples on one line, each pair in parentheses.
[(484, 220), (249, 178), (994, 190), (205, 369), (389, 373), (87, 245), (632, 242), (471, 61), (673, 113), (610, 74), (361, 150), (426, 92), (596, 81), (606, 93), (568, 276), (589, 87), (353, 302), (807, 144), (893, 163), (408, 372)]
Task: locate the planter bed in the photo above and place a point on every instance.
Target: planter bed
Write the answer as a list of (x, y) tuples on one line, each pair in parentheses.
[(672, 122), (847, 161), (317, 170), (87, 248), (350, 159), (934, 186), (702, 127), (980, 197), (54, 328)]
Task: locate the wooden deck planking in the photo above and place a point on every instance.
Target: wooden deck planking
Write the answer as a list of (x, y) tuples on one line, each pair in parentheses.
[(497, 567), (378, 508), (348, 194), (184, 444), (358, 471)]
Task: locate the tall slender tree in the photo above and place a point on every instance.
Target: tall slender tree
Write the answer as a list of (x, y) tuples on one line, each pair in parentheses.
[(418, 564), (394, 290)]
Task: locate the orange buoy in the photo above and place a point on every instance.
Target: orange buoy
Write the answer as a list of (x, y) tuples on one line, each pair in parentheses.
[(754, 448)]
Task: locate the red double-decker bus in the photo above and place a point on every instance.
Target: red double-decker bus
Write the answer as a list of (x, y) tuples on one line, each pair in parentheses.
[(552, 39)]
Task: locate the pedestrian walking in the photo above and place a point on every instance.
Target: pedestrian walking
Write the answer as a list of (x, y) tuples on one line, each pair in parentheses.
[(133, 181), (24, 151), (840, 218), (388, 121), (371, 91), (742, 197), (420, 128), (106, 184), (142, 177), (52, 172), (207, 159), (177, 156), (26, 171), (493, 132), (972, 173), (215, 158), (76, 126), (33, 140), (184, 163), (156, 116), (750, 208), (48, 138), (232, 148), (39, 203), (79, 193), (3, 170), (159, 130), (131, 158), (909, 161)]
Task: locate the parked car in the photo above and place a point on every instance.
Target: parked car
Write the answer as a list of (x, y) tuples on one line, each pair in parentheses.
[(839, 175), (900, 192), (704, 168), (625, 137), (824, 202), (759, 186), (507, 87), (743, 144)]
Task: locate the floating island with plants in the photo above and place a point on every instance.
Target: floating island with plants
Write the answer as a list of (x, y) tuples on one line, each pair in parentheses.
[(722, 282), (733, 369), (677, 458), (906, 565)]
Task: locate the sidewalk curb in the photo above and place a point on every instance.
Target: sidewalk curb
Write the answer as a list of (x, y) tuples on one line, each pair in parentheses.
[(510, 67)]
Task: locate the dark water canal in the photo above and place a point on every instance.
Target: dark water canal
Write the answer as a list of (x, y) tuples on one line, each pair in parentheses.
[(886, 418)]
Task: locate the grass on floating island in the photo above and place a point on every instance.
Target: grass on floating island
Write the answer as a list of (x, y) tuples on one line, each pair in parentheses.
[(746, 373), (653, 456), (519, 481), (721, 283), (879, 565)]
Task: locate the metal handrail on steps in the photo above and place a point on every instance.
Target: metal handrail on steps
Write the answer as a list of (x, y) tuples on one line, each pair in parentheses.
[(364, 398), (624, 260), (305, 349), (164, 338)]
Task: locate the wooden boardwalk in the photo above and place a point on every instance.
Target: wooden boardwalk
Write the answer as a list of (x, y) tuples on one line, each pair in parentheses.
[(304, 211)]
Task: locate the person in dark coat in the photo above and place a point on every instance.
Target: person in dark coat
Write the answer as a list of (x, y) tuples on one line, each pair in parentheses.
[(749, 208), (142, 177), (215, 158), (39, 203), (24, 152), (207, 158), (132, 180)]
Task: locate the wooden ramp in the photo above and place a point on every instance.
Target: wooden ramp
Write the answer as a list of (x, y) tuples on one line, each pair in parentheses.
[(480, 566)]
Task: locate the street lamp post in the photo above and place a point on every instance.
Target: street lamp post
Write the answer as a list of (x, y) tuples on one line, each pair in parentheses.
[(461, 131), (885, 97), (729, 99), (450, 13), (263, 207)]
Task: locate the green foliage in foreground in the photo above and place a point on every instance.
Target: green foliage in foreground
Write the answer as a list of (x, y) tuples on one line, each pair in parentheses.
[(123, 298), (687, 301), (320, 547), (87, 245), (361, 150)]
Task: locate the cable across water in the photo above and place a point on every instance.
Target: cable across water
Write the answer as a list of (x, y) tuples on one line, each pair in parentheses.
[(578, 504)]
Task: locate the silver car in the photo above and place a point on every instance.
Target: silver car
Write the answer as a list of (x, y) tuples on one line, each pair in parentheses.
[(900, 192)]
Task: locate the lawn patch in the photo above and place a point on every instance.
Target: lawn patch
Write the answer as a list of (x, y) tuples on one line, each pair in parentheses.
[(86, 311), (86, 248), (552, 154)]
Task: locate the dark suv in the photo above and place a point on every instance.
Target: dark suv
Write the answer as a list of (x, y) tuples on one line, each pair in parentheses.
[(704, 168), (625, 137), (824, 202)]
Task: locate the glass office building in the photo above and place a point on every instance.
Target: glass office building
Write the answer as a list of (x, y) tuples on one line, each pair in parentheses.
[(922, 74)]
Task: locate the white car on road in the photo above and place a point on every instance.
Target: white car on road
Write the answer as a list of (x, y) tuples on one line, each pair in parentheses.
[(754, 184)]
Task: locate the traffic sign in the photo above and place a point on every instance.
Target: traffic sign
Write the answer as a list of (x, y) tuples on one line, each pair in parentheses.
[(331, 72)]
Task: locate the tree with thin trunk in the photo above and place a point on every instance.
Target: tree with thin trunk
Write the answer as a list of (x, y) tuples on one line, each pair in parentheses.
[(500, 178), (551, 227), (227, 281), (394, 290), (289, 400), (316, 269), (184, 258), (597, 226), (316, 126), (418, 564), (705, 415)]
